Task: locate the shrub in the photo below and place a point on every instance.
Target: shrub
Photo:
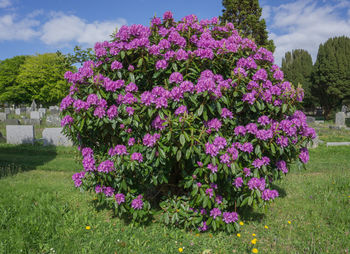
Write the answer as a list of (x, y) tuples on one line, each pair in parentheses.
[(183, 119)]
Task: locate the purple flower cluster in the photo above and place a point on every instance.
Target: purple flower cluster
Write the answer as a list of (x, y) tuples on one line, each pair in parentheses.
[(118, 150), (77, 178), (269, 194), (137, 203), (119, 198), (106, 166), (150, 140), (228, 217), (137, 157), (258, 163), (215, 212), (256, 183)]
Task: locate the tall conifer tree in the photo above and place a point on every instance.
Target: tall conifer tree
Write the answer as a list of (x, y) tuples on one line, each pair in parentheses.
[(297, 67), (246, 17), (331, 76)]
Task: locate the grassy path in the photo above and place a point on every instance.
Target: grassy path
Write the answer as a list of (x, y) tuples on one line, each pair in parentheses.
[(41, 212)]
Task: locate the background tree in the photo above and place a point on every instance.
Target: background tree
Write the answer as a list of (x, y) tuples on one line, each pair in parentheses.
[(79, 56), (246, 17), (331, 76), (10, 91), (297, 67), (42, 77)]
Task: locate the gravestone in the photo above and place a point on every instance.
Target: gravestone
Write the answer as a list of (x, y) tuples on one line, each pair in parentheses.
[(310, 119), (12, 122), (35, 115), (314, 142), (20, 134), (27, 121), (53, 136), (53, 120), (7, 110), (340, 119), (33, 107), (344, 108), (3, 117), (54, 110), (42, 110), (19, 111)]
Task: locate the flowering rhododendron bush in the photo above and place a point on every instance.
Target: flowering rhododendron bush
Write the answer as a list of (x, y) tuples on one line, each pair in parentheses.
[(184, 119)]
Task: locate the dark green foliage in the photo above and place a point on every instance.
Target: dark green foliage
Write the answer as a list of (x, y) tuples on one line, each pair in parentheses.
[(297, 67), (79, 56), (9, 87), (331, 76), (245, 15)]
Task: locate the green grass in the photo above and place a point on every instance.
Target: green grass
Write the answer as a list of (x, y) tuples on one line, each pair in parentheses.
[(40, 209), (332, 135)]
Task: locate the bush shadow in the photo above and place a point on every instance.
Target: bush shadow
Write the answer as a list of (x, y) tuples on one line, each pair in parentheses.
[(15, 159)]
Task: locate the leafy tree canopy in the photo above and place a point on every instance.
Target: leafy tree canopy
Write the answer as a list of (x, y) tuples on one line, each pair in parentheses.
[(246, 17), (42, 77), (9, 70)]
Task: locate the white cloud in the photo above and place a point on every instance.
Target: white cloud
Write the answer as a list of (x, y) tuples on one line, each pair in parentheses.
[(266, 12), (5, 3), (65, 29), (305, 24), (11, 29)]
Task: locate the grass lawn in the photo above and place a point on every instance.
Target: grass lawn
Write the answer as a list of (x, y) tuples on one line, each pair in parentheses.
[(42, 212)]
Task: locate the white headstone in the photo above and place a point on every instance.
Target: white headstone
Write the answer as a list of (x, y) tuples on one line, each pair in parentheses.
[(17, 111), (19, 134), (3, 116), (35, 115), (53, 136), (340, 119), (42, 110)]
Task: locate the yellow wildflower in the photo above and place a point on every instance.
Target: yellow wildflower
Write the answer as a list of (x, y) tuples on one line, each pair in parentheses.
[(88, 227), (253, 234), (241, 223), (253, 241), (266, 227), (239, 235), (289, 222), (181, 249), (255, 250)]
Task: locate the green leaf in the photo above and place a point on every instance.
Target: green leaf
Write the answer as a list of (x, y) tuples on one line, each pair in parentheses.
[(182, 139), (284, 107), (139, 63), (200, 110), (178, 155)]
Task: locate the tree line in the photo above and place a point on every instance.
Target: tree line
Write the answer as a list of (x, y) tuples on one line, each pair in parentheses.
[(326, 83)]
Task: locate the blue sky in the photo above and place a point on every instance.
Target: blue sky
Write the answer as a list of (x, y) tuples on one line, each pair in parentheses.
[(38, 26)]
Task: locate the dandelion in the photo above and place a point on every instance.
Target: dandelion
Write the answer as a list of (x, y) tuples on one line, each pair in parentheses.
[(289, 222), (238, 235), (197, 235), (181, 249), (254, 241), (266, 227), (241, 223), (88, 227), (253, 234), (255, 250)]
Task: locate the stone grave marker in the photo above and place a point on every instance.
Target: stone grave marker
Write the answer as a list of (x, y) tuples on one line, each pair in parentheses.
[(42, 110), (340, 119), (310, 119), (12, 122), (20, 134), (7, 110), (53, 136), (27, 121), (54, 120), (35, 115), (3, 117), (33, 106)]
